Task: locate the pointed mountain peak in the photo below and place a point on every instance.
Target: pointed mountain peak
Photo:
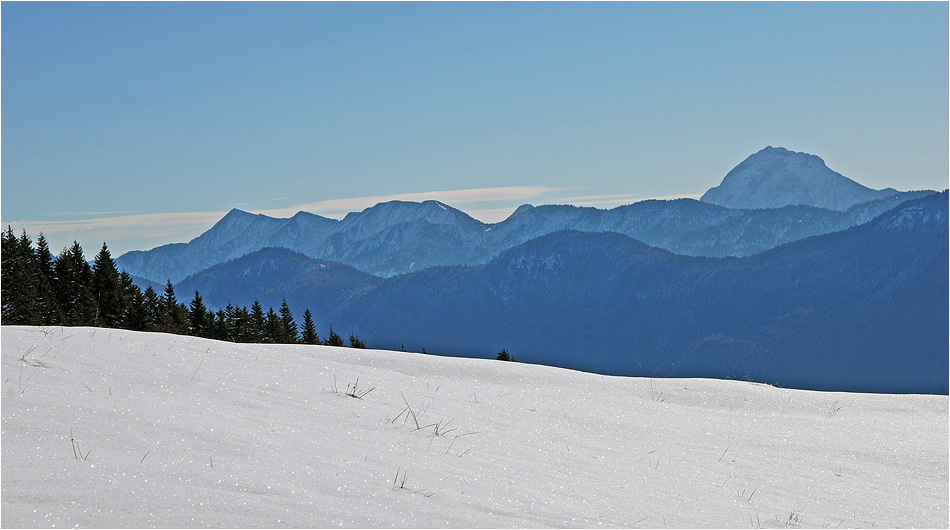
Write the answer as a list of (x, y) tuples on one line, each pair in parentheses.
[(232, 225), (241, 216), (775, 177), (396, 212), (522, 209), (237, 213)]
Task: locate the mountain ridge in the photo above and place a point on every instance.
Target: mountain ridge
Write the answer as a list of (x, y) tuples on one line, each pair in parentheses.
[(772, 197), (810, 314), (776, 177), (834, 312), (432, 234)]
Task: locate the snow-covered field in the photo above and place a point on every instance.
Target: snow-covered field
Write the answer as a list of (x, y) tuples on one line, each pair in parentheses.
[(172, 431)]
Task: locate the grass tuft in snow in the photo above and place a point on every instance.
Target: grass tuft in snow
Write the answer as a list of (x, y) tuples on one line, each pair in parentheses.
[(351, 389)]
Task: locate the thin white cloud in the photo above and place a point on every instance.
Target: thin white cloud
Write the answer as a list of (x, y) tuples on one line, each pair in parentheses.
[(276, 199), (60, 214), (492, 215), (672, 197), (621, 199), (454, 198), (596, 199), (151, 221), (141, 231), (122, 233)]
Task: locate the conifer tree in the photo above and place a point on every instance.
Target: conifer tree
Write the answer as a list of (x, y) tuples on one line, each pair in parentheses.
[(355, 342), (333, 339), (47, 304), (26, 274), (135, 316), (20, 279), (227, 325), (198, 317), (233, 316), (173, 313), (258, 323), (272, 327), (8, 249), (288, 328), (73, 283), (153, 309), (44, 258), (309, 333), (218, 325), (109, 296), (238, 325)]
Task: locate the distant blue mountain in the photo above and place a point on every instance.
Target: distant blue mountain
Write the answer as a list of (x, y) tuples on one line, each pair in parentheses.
[(399, 237), (272, 275), (776, 177), (864, 309), (773, 197)]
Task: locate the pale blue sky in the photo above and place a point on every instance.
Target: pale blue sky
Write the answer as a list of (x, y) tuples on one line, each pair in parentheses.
[(143, 123)]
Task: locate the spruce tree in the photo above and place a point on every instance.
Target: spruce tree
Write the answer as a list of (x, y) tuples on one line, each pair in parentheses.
[(19, 281), (47, 303), (355, 342), (228, 323), (288, 328), (333, 339), (238, 325), (309, 333), (107, 291), (153, 309), (44, 258), (73, 283), (8, 249), (135, 316), (258, 323), (272, 327), (218, 325), (173, 314), (198, 317)]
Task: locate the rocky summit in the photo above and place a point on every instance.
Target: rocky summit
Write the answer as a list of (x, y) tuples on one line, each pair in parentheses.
[(776, 177)]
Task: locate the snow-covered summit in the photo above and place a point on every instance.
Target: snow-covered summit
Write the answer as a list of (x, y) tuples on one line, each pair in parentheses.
[(388, 214), (776, 177)]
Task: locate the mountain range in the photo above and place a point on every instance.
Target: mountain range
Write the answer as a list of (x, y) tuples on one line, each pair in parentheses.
[(399, 237), (848, 296), (864, 309)]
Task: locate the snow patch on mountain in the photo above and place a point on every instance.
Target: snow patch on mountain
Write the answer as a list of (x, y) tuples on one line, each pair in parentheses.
[(776, 177)]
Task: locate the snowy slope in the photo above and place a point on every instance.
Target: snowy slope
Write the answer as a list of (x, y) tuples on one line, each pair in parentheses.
[(185, 432), (776, 177)]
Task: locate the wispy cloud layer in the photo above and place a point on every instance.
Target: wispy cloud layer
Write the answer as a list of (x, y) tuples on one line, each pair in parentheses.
[(457, 198), (620, 199), (121, 233), (144, 231), (155, 223)]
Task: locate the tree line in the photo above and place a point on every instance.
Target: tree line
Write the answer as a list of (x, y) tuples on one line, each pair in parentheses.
[(39, 290)]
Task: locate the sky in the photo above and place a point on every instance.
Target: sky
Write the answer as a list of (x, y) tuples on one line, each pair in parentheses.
[(142, 124)]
